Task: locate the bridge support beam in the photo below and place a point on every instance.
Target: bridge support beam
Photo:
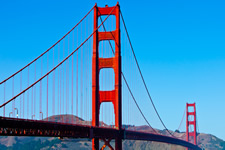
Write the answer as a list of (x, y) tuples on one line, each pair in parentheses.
[(107, 143), (114, 96), (118, 144)]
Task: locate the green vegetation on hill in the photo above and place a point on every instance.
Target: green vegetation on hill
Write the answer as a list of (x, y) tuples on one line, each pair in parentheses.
[(34, 144)]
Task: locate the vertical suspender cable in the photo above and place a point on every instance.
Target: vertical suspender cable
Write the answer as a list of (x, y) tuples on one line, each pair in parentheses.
[(81, 76), (67, 80), (72, 80), (28, 95), (53, 88), (13, 103), (58, 79), (20, 91), (60, 68), (40, 105), (88, 71), (32, 99), (60, 92), (47, 90), (77, 82), (85, 110), (62, 76), (23, 105), (4, 99), (34, 89), (72, 91), (102, 112)]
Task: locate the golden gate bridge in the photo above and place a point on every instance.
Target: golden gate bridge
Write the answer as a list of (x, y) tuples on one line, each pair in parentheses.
[(91, 72)]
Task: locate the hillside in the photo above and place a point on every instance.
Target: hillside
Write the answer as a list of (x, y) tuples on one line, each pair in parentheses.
[(206, 141)]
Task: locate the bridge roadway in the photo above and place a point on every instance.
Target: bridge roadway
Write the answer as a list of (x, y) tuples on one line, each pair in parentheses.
[(24, 127)]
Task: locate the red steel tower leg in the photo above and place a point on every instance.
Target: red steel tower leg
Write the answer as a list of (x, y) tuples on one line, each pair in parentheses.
[(192, 122), (95, 81), (113, 96)]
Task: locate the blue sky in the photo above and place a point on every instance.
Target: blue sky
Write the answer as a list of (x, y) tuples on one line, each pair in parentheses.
[(179, 44)]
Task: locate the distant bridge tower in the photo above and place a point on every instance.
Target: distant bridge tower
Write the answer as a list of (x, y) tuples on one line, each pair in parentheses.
[(192, 122), (113, 96)]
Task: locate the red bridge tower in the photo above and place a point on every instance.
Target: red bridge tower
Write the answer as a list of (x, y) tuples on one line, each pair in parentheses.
[(113, 96), (191, 122)]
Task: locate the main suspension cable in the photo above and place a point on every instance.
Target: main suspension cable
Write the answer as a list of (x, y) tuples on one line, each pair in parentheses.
[(48, 48), (58, 64), (143, 77), (137, 104), (181, 120)]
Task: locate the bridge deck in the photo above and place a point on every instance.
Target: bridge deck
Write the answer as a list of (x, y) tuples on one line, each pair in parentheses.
[(22, 127)]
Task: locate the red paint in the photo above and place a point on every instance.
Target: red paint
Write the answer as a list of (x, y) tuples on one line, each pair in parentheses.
[(113, 96), (188, 123)]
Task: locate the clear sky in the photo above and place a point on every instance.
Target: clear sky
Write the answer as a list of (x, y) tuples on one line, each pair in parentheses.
[(180, 46)]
